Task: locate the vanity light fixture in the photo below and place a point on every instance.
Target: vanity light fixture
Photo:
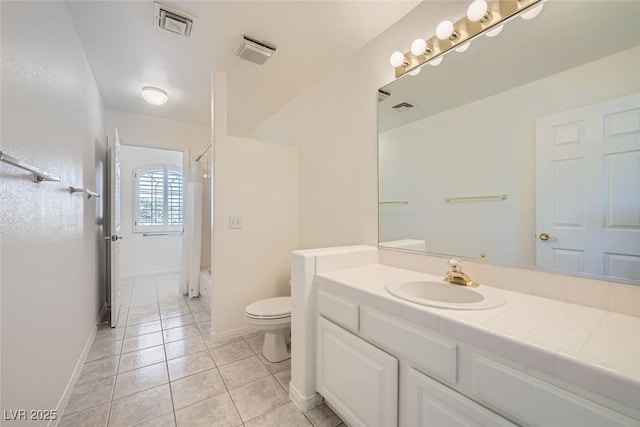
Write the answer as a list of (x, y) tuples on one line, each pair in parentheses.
[(415, 71), (154, 95), (483, 17), (494, 31), (532, 13)]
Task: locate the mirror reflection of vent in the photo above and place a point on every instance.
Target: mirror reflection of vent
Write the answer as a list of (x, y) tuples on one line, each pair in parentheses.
[(172, 20), (382, 95), (403, 106)]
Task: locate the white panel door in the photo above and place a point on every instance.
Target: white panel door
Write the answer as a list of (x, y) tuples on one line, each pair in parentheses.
[(114, 227), (588, 189), (357, 379), (431, 404)]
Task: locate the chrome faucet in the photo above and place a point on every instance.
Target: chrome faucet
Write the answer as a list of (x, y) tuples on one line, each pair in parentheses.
[(456, 276)]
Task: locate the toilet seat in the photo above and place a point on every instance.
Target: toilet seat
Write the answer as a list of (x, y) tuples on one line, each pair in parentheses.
[(270, 309)]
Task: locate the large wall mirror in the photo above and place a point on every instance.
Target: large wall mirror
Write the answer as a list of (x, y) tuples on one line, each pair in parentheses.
[(525, 149)]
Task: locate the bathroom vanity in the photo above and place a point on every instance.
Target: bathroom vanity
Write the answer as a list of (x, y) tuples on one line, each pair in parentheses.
[(383, 361)]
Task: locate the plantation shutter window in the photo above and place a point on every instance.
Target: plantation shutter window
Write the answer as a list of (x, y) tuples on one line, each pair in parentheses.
[(158, 204)]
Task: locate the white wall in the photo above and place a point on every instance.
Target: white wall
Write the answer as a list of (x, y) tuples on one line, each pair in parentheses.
[(461, 152), (52, 117), (334, 125), (257, 181), (137, 129), (140, 254)]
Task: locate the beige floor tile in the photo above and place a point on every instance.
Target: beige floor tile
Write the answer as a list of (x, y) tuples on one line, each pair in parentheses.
[(168, 420), (136, 310), (231, 352), (284, 416), (107, 333), (174, 312), (142, 341), (141, 407), (140, 379), (103, 349), (205, 327), (242, 372), (258, 397), (189, 365), (322, 416), (99, 369), (172, 303), (181, 333), (90, 394), (284, 378), (255, 341), (196, 306), (211, 342), (142, 329), (94, 417), (143, 318), (174, 322), (182, 347), (195, 388), (202, 316), (140, 358), (275, 367), (217, 411)]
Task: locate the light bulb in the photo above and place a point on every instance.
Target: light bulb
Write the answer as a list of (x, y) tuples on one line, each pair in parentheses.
[(415, 71), (154, 95), (436, 61), (477, 10), (495, 31), (397, 59), (464, 47), (418, 47), (532, 13), (444, 30)]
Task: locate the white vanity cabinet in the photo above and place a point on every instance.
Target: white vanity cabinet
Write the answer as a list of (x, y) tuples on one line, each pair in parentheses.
[(357, 379), (430, 403)]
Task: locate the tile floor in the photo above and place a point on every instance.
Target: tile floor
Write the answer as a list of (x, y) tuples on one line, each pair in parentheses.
[(159, 367)]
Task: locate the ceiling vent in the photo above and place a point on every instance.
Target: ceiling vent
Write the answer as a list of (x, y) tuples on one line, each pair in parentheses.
[(403, 106), (172, 20), (382, 95), (253, 50)]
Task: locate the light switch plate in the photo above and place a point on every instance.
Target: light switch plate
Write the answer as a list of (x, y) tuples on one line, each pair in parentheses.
[(235, 222)]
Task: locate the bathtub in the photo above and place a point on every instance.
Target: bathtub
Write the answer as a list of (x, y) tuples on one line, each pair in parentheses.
[(205, 287)]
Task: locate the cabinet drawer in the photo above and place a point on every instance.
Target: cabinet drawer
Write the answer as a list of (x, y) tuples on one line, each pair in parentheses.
[(338, 309), (430, 353), (429, 403), (532, 401)]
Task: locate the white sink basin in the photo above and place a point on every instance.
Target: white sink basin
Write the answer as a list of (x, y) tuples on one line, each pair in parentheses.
[(446, 295)]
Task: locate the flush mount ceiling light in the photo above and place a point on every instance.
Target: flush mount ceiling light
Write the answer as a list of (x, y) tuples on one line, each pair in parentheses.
[(154, 95), (483, 17)]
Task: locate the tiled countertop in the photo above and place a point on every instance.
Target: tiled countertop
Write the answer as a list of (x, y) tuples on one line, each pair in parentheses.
[(591, 348)]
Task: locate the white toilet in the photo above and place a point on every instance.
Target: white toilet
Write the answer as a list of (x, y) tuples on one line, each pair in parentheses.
[(273, 316)]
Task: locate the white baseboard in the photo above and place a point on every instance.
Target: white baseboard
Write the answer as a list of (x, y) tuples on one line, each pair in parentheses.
[(148, 273), (234, 333), (303, 403), (76, 372)]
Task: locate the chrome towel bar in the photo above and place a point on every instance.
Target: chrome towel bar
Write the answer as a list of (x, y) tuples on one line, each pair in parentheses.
[(475, 198), (38, 174), (89, 193), (395, 202)]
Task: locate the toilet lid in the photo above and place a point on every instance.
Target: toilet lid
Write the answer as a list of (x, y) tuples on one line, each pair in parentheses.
[(271, 307)]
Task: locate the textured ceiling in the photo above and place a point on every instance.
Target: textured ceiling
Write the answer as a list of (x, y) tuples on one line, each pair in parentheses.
[(126, 52)]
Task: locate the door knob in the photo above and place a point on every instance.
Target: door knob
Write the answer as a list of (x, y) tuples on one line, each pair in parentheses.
[(545, 237), (114, 238)]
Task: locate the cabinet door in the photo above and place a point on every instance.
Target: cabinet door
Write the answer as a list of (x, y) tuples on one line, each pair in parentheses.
[(429, 403), (357, 379)]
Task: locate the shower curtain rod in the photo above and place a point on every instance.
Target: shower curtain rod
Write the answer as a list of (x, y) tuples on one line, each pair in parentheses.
[(203, 152)]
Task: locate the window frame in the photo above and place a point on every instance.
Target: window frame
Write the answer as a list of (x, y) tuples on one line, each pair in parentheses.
[(165, 227)]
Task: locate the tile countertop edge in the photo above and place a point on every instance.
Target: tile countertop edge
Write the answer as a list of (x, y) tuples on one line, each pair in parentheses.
[(594, 378)]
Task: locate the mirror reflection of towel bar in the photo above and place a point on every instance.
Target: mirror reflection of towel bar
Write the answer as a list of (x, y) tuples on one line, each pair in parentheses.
[(475, 198), (395, 202)]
